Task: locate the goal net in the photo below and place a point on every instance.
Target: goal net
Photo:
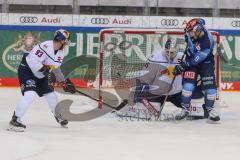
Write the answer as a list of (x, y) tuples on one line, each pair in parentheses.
[(123, 52)]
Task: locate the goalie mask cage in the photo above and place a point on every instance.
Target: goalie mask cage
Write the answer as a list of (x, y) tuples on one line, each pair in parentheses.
[(120, 47)]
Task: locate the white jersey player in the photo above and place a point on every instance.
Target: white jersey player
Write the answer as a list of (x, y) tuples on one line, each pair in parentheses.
[(33, 71), (155, 84)]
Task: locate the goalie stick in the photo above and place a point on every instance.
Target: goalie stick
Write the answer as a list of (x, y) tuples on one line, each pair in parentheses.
[(170, 87)]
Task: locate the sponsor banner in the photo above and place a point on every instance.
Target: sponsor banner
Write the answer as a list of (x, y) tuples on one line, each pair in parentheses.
[(85, 41), (228, 23), (13, 82), (176, 22), (111, 21), (230, 86), (40, 19), (166, 22)]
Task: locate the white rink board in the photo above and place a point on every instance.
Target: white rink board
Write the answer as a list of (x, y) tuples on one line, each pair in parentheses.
[(161, 22), (108, 139)]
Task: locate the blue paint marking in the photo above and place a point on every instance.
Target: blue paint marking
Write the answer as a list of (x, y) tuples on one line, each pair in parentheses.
[(88, 29), (50, 28)]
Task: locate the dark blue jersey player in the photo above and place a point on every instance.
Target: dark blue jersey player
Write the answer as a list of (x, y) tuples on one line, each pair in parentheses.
[(199, 61)]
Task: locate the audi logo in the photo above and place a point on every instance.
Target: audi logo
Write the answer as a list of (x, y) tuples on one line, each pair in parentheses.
[(26, 19), (99, 20), (235, 23), (169, 22)]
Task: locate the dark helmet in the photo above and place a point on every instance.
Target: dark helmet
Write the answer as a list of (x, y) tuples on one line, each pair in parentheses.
[(195, 24), (62, 35)]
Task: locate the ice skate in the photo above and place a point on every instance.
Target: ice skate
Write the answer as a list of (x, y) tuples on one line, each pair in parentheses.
[(62, 122), (16, 125), (213, 116), (183, 114)]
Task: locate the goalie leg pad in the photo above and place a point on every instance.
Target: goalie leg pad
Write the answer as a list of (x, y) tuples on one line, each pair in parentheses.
[(141, 88)]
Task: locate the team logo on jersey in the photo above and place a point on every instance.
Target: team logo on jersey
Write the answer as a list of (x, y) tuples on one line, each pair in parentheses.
[(168, 71), (60, 59), (45, 46), (12, 55), (30, 83)]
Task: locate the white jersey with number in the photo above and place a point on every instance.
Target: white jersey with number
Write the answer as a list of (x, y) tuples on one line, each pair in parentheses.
[(43, 54), (166, 75)]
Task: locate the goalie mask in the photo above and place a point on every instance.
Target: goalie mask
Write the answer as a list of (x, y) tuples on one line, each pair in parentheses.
[(171, 49)]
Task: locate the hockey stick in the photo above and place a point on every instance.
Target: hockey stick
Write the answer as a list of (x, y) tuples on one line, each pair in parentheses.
[(169, 89), (117, 108), (150, 108)]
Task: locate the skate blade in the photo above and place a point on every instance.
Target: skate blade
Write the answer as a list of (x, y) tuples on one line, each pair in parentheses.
[(180, 119), (64, 126), (15, 129), (213, 122)]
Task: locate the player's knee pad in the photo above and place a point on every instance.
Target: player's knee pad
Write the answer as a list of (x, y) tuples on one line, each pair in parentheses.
[(187, 92), (210, 96), (187, 89)]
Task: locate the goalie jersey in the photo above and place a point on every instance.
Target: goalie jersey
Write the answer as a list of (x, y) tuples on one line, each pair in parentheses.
[(44, 54), (159, 74)]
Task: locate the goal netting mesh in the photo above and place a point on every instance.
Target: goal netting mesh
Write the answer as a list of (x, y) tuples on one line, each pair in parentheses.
[(123, 52)]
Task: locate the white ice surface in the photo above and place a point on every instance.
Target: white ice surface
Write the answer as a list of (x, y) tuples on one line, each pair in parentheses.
[(109, 139)]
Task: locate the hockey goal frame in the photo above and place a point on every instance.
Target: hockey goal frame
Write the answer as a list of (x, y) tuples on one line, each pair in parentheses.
[(154, 31)]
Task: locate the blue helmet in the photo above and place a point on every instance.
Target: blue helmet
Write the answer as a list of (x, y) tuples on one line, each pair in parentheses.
[(62, 35)]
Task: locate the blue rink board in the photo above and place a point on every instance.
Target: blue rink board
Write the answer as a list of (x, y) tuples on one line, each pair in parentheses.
[(86, 29)]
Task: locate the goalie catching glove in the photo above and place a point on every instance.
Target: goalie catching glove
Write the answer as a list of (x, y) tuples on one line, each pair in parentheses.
[(45, 70)]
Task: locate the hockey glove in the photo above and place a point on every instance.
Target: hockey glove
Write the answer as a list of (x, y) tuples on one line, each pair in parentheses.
[(180, 68), (45, 70), (52, 78), (52, 82), (68, 86)]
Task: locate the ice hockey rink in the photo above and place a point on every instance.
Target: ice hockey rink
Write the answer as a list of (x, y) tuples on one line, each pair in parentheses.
[(107, 138)]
